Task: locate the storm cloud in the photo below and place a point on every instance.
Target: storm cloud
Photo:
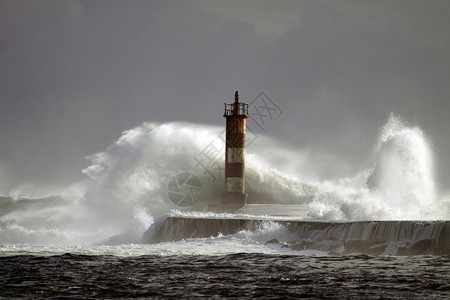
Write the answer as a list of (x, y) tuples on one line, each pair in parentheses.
[(75, 74)]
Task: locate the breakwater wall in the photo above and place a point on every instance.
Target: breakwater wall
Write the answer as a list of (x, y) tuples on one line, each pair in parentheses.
[(366, 237)]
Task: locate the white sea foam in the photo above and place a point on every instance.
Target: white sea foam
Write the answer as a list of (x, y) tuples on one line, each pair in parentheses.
[(400, 187), (126, 186)]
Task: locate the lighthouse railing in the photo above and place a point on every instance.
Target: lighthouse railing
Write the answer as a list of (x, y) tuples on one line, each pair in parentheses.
[(242, 111)]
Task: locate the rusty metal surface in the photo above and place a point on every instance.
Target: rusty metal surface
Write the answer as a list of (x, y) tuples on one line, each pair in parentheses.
[(234, 170), (235, 155), (236, 141), (235, 184), (236, 125)]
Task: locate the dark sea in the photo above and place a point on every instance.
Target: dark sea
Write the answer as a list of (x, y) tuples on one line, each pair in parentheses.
[(235, 276)]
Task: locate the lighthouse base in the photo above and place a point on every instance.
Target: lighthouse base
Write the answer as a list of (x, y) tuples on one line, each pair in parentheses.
[(234, 198), (230, 203)]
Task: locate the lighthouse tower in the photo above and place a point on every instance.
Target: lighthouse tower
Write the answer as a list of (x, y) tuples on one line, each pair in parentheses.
[(236, 115)]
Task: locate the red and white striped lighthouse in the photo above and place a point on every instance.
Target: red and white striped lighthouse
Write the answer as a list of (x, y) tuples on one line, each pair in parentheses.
[(236, 115)]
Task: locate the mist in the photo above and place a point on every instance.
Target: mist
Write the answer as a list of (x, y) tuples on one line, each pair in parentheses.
[(75, 74)]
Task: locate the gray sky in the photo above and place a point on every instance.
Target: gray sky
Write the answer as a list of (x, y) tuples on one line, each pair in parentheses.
[(75, 74)]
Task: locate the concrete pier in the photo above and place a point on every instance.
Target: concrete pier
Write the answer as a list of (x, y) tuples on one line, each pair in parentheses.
[(367, 237)]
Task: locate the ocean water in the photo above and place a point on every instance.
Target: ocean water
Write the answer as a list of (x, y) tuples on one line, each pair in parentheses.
[(236, 276), (128, 229)]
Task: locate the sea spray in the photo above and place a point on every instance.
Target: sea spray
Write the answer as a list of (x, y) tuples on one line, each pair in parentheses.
[(400, 187), (403, 176), (137, 169), (126, 186)]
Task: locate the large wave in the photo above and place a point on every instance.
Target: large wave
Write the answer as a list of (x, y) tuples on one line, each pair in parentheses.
[(401, 186), (150, 170)]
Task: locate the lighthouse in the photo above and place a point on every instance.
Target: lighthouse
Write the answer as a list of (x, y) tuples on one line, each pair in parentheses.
[(236, 115)]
